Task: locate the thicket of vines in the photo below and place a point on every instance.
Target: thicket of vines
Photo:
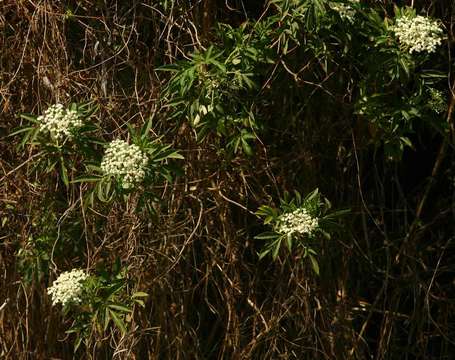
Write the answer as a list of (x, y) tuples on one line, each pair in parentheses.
[(227, 179)]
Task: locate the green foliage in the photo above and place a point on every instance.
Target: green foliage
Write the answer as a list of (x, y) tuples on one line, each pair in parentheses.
[(303, 93), (106, 305), (216, 90), (315, 205), (160, 168), (52, 238), (33, 258), (60, 156), (69, 156), (391, 90)]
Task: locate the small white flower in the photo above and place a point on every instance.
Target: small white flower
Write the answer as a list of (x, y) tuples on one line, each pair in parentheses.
[(418, 34), (299, 221), (345, 10), (59, 122), (68, 287), (437, 101), (125, 162)]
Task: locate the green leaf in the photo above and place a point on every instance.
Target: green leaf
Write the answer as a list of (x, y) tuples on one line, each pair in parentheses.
[(64, 173), (289, 242), (267, 235), (167, 154), (312, 195), (405, 140), (140, 302), (104, 190), (169, 67), (314, 264), (118, 321), (120, 308), (246, 147), (276, 249), (266, 210), (263, 254), (29, 117), (146, 128), (107, 318), (139, 294), (77, 343), (175, 155), (81, 179), (21, 130), (337, 213), (298, 197), (404, 65)]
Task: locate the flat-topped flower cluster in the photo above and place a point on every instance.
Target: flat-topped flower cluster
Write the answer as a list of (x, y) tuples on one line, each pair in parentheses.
[(345, 10), (68, 287), (437, 101), (418, 34), (125, 162), (297, 222), (59, 122)]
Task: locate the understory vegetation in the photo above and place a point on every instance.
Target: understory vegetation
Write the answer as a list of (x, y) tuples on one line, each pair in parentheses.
[(227, 179)]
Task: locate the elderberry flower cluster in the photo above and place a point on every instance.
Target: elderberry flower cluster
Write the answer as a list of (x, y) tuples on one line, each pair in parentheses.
[(437, 101), (124, 162), (345, 10), (59, 122), (68, 287), (299, 221), (418, 34)]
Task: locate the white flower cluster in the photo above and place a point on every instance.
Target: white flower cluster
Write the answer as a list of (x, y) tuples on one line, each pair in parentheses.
[(437, 101), (68, 287), (419, 34), (124, 161), (299, 221), (59, 121), (345, 10)]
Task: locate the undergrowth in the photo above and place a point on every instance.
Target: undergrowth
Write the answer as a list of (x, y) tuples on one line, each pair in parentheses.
[(227, 179)]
